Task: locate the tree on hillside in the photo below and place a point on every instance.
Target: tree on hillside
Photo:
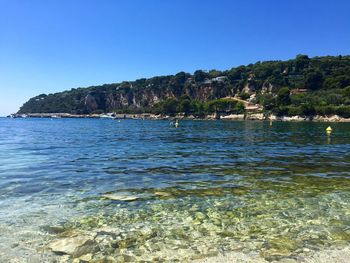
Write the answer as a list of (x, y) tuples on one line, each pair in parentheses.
[(301, 62), (180, 78), (346, 92), (185, 104), (283, 96), (313, 80), (200, 75), (244, 96), (214, 73), (170, 106)]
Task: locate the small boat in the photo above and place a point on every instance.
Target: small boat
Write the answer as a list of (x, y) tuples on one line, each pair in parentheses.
[(107, 116)]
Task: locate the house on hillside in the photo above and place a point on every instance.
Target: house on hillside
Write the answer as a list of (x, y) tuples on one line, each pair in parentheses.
[(208, 82), (297, 91), (253, 107), (219, 79)]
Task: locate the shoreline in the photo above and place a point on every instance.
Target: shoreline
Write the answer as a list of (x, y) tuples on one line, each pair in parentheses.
[(149, 116)]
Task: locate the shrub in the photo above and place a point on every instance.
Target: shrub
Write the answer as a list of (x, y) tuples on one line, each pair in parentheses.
[(244, 96), (295, 111), (343, 111)]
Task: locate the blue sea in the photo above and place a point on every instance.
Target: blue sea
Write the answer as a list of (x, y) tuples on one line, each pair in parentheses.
[(144, 191)]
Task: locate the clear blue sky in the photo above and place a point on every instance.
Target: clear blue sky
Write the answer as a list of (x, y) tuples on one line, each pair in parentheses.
[(53, 45)]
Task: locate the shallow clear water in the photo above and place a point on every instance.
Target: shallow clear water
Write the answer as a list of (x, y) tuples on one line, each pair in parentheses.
[(205, 188)]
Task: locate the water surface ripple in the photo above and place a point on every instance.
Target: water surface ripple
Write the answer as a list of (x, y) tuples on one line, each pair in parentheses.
[(205, 188)]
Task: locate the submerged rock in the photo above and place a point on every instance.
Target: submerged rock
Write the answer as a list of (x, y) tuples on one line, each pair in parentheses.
[(121, 197), (108, 231), (74, 246), (162, 194), (128, 258), (106, 259), (86, 258)]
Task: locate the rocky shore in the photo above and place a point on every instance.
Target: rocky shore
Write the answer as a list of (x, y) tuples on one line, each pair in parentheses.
[(93, 116), (261, 116), (149, 116)]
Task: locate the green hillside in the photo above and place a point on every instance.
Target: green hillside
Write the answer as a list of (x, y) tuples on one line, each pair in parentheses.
[(300, 86)]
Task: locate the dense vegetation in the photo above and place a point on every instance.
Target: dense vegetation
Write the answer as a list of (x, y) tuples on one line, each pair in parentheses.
[(301, 86), (187, 106)]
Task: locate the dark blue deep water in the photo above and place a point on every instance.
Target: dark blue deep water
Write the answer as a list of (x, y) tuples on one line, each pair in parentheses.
[(204, 188)]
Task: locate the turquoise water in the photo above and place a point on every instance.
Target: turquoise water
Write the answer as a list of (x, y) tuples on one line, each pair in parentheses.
[(143, 190)]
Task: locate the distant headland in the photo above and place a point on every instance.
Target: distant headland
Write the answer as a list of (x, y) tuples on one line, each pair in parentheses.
[(303, 88)]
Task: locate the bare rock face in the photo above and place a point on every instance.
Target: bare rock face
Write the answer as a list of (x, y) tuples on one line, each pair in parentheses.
[(249, 88), (266, 88), (90, 103), (74, 246)]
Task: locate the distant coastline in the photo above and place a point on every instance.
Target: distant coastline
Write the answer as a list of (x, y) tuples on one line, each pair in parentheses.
[(312, 87)]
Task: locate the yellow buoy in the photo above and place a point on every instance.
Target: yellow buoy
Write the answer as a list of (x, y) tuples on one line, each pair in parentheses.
[(329, 130)]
